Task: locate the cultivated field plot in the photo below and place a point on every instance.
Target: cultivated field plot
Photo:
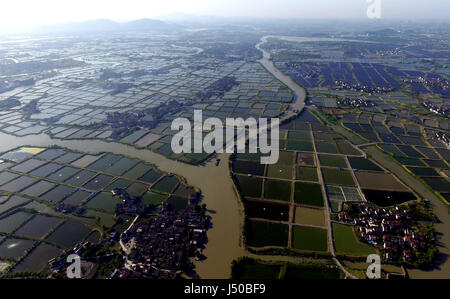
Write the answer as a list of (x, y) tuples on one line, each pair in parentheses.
[(267, 210), (381, 181), (308, 194), (309, 216), (310, 239), (335, 193), (38, 259), (306, 159), (438, 184), (307, 174), (338, 177), (280, 171), (249, 186), (312, 272), (277, 190), (248, 167), (248, 268), (13, 221), (55, 198), (351, 194), (346, 242), (68, 234), (385, 198), (363, 164), (253, 269), (262, 234), (38, 227), (332, 161), (14, 248)]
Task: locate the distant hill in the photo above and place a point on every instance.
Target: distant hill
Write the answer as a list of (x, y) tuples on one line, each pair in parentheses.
[(148, 24), (99, 26)]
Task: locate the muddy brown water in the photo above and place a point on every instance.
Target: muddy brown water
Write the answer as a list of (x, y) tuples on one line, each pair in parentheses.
[(214, 181), (223, 204)]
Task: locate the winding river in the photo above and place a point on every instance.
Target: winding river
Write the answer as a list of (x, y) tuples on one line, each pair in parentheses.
[(224, 244), (297, 90)]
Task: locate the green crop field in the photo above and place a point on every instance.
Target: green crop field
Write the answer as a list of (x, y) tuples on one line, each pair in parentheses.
[(300, 146), (346, 242), (249, 186), (309, 216), (251, 269), (308, 194), (279, 190), (260, 234), (307, 174), (332, 161), (310, 238), (363, 164), (337, 177), (281, 172)]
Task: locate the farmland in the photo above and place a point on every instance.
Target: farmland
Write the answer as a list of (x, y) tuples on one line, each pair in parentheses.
[(347, 243), (373, 133), (310, 216), (55, 198), (248, 268), (273, 194), (310, 239), (261, 234)]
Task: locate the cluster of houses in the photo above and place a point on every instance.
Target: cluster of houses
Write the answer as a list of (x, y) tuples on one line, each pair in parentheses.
[(163, 245), (444, 138), (218, 88), (11, 85), (10, 102), (435, 83), (439, 110), (389, 53), (342, 85), (127, 121), (386, 229), (356, 102)]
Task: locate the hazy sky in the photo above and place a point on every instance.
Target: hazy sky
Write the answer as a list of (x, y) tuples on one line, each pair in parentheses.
[(30, 12)]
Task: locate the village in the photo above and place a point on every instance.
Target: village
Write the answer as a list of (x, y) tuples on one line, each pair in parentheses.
[(356, 102), (444, 138), (390, 230), (159, 246), (439, 110), (342, 85), (163, 245)]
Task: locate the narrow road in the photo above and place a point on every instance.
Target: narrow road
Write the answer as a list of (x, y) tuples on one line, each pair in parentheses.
[(124, 247), (327, 211)]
